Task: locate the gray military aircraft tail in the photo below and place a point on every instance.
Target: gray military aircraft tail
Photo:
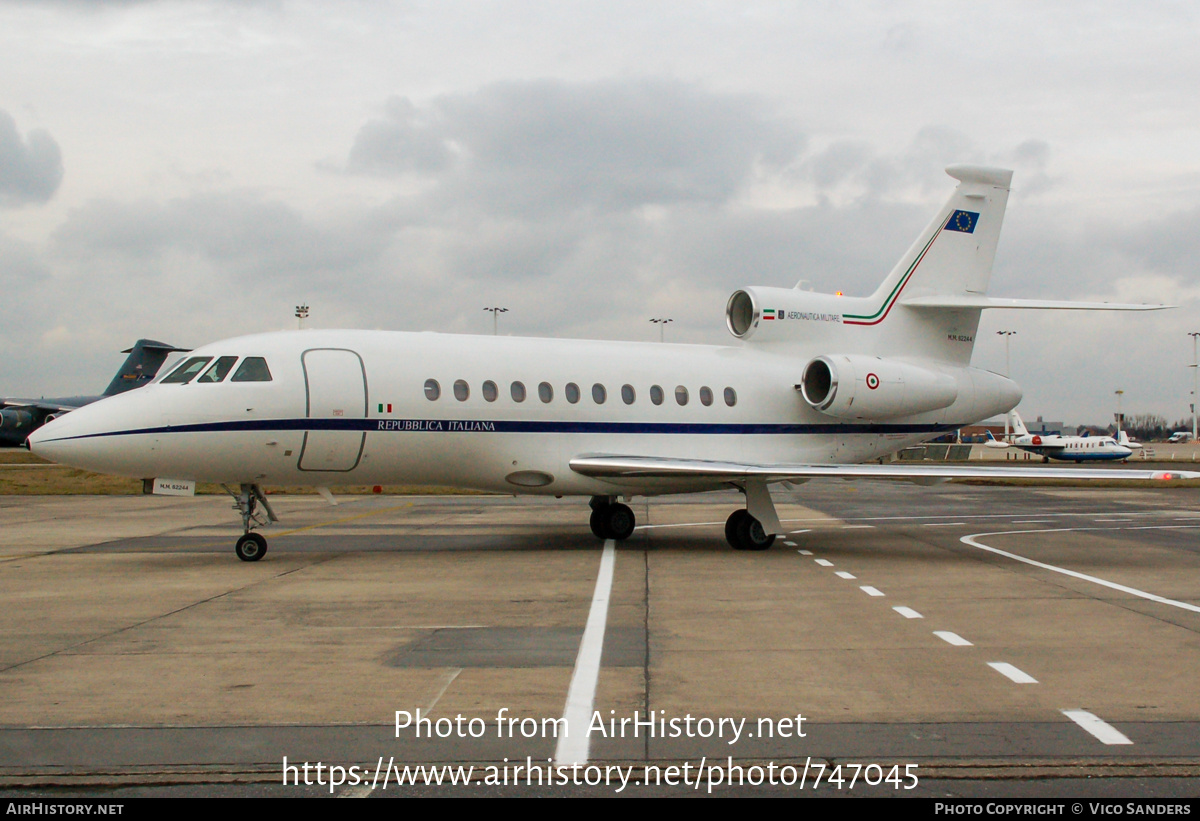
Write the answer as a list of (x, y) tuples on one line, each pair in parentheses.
[(21, 417)]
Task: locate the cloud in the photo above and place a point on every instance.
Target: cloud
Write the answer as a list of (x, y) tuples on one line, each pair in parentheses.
[(609, 146), (30, 169)]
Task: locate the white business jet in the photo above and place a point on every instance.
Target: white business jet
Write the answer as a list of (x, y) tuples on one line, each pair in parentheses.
[(817, 385), (1069, 448)]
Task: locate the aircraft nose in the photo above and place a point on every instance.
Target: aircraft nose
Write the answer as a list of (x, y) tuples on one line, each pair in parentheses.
[(103, 436)]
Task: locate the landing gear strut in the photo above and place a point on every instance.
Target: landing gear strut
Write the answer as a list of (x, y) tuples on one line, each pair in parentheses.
[(744, 532), (252, 546), (611, 519)]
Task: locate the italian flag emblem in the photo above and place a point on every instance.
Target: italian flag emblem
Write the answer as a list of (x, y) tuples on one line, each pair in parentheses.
[(382, 406), (769, 313)]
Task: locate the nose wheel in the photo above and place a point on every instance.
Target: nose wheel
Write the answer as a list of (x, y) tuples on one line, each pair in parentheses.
[(251, 547)]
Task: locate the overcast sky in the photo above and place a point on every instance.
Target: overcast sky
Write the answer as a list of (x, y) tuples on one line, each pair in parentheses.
[(187, 171)]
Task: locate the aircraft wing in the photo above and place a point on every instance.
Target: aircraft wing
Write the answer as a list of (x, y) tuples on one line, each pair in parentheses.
[(37, 405), (635, 470)]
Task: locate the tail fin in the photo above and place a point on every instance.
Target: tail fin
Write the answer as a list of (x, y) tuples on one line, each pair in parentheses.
[(953, 255), (1019, 426), (143, 362)]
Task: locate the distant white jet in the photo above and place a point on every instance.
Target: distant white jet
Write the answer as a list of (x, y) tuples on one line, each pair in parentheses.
[(817, 385), (1066, 448)]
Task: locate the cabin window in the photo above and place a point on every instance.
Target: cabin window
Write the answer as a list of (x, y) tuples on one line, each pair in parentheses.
[(518, 391), (681, 395), (252, 369), (627, 394), (599, 394), (706, 396), (572, 392), (187, 371), (218, 370), (656, 394), (730, 397), (490, 391), (432, 390), (545, 392), (461, 390)]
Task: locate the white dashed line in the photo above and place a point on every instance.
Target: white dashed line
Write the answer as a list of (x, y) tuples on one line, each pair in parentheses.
[(1031, 521), (790, 544), (952, 638), (870, 591), (358, 791), (1105, 732), (943, 524), (1012, 673), (572, 747), (908, 612), (794, 532), (857, 527), (842, 574), (804, 552), (824, 562)]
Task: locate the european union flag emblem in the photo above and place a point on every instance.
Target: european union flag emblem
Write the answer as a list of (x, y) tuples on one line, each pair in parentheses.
[(963, 221)]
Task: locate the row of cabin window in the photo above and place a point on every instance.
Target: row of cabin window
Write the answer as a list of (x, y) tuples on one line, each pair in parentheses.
[(545, 391)]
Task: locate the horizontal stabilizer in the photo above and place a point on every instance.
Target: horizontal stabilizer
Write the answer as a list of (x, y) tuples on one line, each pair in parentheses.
[(971, 301)]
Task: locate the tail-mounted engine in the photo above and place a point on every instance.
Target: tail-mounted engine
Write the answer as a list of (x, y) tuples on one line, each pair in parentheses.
[(870, 387)]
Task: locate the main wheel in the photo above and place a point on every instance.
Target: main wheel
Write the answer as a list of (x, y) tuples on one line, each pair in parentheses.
[(619, 521), (251, 547), (751, 536), (599, 522), (731, 526)]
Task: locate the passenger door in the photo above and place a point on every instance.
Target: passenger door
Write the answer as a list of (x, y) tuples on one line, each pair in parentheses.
[(335, 383)]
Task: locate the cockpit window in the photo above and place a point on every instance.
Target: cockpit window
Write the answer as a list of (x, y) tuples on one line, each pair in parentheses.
[(187, 371), (219, 369), (252, 369)]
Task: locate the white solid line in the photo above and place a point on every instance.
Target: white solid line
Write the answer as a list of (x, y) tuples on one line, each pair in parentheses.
[(952, 638), (842, 574), (450, 680), (1006, 669), (824, 562), (870, 591), (856, 527), (942, 524), (908, 612), (572, 747), (794, 532), (1102, 730), (971, 540), (681, 524), (804, 552), (1031, 521)]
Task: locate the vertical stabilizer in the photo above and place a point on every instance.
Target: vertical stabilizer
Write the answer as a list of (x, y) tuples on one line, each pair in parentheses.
[(143, 362), (1019, 428)]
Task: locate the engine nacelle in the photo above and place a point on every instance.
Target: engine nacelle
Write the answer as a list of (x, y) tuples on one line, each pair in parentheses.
[(870, 387), (14, 419)]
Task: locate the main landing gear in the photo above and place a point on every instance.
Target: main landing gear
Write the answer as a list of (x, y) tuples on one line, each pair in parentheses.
[(744, 532), (252, 546), (611, 519)]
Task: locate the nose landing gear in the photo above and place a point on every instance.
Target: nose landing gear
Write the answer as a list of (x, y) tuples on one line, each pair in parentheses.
[(252, 546)]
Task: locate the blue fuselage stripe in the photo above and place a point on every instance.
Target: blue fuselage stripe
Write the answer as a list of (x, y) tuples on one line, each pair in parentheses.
[(526, 426)]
